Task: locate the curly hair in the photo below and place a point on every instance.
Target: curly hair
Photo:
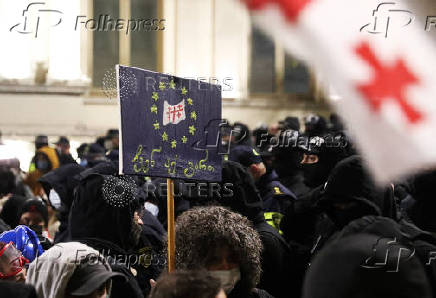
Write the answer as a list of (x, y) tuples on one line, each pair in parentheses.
[(203, 230)]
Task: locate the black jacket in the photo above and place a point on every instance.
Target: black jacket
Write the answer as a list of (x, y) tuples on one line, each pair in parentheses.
[(421, 243), (13, 289), (295, 183), (65, 159), (421, 208), (366, 266), (277, 262)]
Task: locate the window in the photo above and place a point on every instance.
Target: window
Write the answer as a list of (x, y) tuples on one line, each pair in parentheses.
[(272, 71), (138, 47), (74, 43), (105, 42), (41, 46), (262, 72)]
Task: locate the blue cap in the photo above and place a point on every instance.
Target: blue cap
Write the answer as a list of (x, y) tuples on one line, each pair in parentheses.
[(25, 240), (245, 155)]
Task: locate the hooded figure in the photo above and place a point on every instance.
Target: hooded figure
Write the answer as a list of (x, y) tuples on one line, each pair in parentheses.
[(102, 216), (303, 219), (276, 256), (11, 209), (59, 186), (70, 268), (286, 162), (225, 244), (350, 193), (321, 154), (359, 266)]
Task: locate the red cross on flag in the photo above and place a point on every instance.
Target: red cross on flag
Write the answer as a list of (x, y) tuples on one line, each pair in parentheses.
[(173, 113), (386, 81)]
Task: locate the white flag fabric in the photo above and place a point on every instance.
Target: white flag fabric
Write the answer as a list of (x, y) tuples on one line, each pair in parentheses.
[(173, 113), (380, 59)]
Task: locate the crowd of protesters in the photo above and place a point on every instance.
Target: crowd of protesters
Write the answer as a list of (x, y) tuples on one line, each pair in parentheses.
[(300, 217)]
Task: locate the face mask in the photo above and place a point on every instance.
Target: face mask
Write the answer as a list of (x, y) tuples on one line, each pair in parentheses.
[(54, 198), (83, 162), (42, 165), (108, 145), (314, 174), (152, 208), (37, 229), (228, 278)]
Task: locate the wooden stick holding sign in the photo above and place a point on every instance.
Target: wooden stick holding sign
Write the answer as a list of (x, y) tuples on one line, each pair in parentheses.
[(169, 129), (171, 226)]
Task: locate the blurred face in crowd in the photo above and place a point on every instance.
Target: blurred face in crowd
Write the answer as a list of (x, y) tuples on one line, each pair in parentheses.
[(135, 232), (223, 265), (137, 217), (42, 163), (274, 129), (64, 148), (20, 277), (257, 170), (12, 264), (315, 172), (32, 219), (309, 159), (222, 259), (115, 142)]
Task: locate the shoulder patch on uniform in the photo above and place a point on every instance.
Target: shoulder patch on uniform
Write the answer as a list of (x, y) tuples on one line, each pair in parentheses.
[(277, 191)]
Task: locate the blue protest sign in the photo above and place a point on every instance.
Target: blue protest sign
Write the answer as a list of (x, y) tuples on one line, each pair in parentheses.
[(169, 125)]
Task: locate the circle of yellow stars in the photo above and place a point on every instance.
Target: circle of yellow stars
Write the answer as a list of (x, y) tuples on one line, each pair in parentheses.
[(192, 115)]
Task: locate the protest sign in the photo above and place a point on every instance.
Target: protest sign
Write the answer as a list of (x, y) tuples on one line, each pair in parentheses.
[(169, 125)]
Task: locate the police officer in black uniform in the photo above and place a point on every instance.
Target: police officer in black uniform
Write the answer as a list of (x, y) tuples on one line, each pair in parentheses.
[(275, 196)]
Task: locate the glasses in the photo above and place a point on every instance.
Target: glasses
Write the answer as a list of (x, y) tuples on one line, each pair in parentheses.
[(12, 261)]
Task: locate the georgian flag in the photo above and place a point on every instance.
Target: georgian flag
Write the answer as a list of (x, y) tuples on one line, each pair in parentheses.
[(386, 81), (173, 114)]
